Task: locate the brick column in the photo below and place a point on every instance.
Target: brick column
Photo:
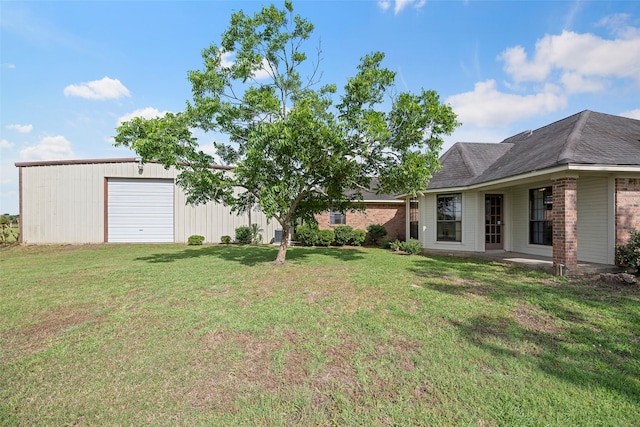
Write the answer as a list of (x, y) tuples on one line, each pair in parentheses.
[(627, 208), (565, 225)]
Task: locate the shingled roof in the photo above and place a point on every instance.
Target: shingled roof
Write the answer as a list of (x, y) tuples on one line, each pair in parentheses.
[(584, 138)]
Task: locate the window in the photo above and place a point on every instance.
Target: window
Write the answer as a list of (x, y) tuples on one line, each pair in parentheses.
[(540, 221), (449, 218), (337, 218), (413, 218)]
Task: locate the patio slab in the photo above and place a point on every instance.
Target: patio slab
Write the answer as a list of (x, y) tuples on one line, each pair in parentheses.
[(535, 262)]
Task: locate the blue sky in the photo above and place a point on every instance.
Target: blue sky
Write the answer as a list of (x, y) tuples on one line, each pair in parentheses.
[(72, 70)]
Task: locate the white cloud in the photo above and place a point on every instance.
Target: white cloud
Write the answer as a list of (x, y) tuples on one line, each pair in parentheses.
[(577, 83), (20, 128), (49, 148), (632, 114), (145, 113), (227, 61), (485, 106), (98, 89), (262, 73), (401, 4), (579, 54), (5, 144), (617, 24), (384, 4), (9, 66)]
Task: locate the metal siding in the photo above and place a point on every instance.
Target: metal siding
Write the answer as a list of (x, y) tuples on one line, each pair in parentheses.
[(65, 203), (55, 207), (593, 235), (140, 210)]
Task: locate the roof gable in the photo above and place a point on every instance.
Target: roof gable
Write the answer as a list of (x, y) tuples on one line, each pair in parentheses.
[(587, 137)]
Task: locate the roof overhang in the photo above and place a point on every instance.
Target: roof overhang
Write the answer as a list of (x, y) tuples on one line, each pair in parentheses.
[(556, 172)]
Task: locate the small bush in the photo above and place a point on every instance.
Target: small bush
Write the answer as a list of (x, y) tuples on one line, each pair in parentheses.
[(386, 243), (411, 247), (243, 235), (307, 235), (325, 237), (195, 240), (375, 232), (256, 237), (395, 245), (629, 255), (344, 235), (358, 237), (225, 240)]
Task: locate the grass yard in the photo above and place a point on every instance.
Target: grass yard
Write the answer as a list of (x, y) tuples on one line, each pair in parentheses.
[(215, 335)]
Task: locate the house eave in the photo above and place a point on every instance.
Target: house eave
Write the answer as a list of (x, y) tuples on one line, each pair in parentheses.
[(532, 175)]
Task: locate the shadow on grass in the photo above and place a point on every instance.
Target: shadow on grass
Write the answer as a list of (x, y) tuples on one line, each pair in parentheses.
[(582, 331), (252, 255)]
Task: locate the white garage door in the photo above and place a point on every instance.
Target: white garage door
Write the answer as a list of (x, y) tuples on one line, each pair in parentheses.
[(140, 210)]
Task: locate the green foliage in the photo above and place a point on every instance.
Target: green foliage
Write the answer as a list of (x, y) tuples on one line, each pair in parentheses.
[(629, 255), (225, 240), (375, 232), (299, 148), (325, 237), (195, 240), (244, 235), (343, 235), (256, 236), (307, 235), (410, 247), (387, 242), (395, 245), (358, 237)]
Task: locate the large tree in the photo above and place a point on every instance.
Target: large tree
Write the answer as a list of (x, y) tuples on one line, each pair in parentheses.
[(298, 148)]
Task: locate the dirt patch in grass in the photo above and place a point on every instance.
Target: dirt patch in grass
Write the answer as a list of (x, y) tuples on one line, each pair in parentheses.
[(527, 317), (255, 365), (40, 332)]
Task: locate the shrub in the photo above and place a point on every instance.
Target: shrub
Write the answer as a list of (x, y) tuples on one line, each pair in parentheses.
[(629, 255), (410, 247), (358, 237), (343, 234), (325, 237), (225, 240), (395, 245), (386, 243), (243, 235), (307, 235), (256, 237), (195, 240), (375, 232)]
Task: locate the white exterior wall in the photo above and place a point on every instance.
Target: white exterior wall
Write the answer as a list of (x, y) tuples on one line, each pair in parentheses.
[(65, 203), (519, 219), (470, 232), (596, 221)]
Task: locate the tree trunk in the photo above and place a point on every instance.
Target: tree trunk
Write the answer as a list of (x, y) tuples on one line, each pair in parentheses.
[(284, 243)]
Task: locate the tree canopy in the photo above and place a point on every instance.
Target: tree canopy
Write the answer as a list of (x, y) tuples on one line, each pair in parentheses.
[(298, 147)]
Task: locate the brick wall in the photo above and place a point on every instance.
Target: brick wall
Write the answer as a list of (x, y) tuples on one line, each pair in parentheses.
[(565, 223), (627, 208), (391, 215)]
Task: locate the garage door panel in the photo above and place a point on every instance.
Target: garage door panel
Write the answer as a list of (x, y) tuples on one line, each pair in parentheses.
[(140, 210)]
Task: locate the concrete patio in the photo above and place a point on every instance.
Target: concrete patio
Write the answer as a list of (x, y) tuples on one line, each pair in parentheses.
[(534, 262)]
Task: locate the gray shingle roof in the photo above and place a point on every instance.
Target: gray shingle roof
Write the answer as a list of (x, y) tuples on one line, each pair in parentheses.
[(587, 138)]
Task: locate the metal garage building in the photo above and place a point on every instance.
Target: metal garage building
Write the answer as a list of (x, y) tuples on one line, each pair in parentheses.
[(117, 200)]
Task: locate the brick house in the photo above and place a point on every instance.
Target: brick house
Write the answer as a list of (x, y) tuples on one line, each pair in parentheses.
[(569, 191), (379, 209)]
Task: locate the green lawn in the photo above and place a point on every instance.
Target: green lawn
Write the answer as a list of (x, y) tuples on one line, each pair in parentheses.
[(215, 335)]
